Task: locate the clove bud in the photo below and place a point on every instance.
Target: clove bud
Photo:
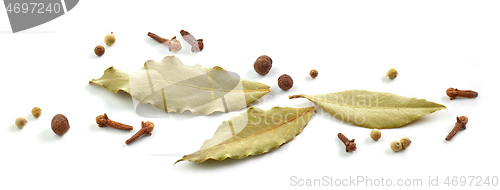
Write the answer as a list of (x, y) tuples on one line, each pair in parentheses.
[(197, 44), (173, 45)]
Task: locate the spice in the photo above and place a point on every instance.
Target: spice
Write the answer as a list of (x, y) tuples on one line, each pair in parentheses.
[(285, 82), (36, 112), (21, 122), (197, 44), (396, 146), (60, 124), (453, 93), (173, 45), (103, 121), (109, 39), (99, 50), (145, 130), (375, 134), (313, 73), (263, 64), (350, 145), (392, 73), (460, 124), (157, 38), (405, 142)]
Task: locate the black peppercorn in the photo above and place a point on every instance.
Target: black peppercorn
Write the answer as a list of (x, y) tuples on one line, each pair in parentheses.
[(285, 82), (263, 64)]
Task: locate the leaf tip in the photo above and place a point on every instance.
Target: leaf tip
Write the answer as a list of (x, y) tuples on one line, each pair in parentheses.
[(180, 160), (218, 68), (92, 81)]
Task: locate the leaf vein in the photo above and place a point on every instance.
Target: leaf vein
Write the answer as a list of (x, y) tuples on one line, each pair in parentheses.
[(202, 88), (300, 115)]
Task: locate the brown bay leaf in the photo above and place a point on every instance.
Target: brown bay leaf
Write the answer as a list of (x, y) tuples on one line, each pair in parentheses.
[(253, 132), (171, 86), (370, 109)]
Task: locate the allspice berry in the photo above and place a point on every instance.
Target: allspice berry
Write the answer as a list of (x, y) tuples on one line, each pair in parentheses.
[(285, 82), (396, 146), (313, 73), (405, 142), (36, 111), (263, 64), (99, 50), (109, 39), (60, 124), (21, 122), (392, 73), (375, 134)]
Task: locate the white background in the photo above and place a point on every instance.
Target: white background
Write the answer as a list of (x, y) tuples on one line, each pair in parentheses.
[(433, 44)]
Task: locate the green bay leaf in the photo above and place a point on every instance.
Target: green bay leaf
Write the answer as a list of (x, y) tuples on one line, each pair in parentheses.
[(253, 132), (370, 109), (171, 86)]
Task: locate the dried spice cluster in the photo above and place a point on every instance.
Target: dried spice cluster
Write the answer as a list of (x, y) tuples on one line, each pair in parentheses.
[(147, 127), (262, 65), (175, 45), (109, 40), (22, 121), (404, 142)]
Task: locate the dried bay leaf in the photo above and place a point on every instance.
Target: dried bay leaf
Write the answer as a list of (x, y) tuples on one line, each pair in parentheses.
[(370, 109), (253, 132), (171, 86)]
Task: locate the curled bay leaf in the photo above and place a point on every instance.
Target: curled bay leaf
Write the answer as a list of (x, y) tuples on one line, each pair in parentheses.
[(171, 86), (253, 132), (378, 110)]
